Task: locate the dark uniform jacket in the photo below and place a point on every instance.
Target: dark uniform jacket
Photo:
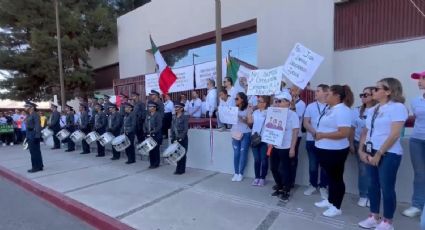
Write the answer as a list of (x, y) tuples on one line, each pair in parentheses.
[(179, 127), (84, 122), (115, 121), (100, 122), (33, 126), (129, 125), (91, 117), (70, 125), (153, 124), (140, 110), (54, 121)]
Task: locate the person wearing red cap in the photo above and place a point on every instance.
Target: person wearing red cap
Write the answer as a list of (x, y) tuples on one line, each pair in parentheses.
[(417, 150)]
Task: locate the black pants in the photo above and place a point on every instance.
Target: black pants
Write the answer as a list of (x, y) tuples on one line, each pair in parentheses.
[(56, 141), (280, 166), (36, 158), (154, 154), (18, 135), (333, 162), (85, 146), (7, 138), (208, 114), (166, 123), (139, 131), (181, 164), (131, 155), (294, 163)]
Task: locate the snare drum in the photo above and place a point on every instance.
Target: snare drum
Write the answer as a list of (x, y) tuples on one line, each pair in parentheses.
[(91, 137), (46, 133), (106, 138), (120, 143), (63, 134), (174, 153), (77, 136), (146, 146)]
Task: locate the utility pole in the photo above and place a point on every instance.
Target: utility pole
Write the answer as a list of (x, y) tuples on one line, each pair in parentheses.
[(58, 37), (218, 45)]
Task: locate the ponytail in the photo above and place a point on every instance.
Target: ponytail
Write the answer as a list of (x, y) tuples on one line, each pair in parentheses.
[(349, 97)]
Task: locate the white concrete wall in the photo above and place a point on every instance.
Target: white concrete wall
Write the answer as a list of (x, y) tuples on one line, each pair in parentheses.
[(104, 56), (363, 67), (199, 156)]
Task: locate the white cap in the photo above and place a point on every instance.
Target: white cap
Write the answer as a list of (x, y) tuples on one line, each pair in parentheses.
[(283, 95)]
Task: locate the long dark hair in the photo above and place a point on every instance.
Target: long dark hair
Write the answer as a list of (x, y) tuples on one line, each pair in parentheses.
[(244, 102), (345, 94), (363, 107), (266, 100), (229, 79)]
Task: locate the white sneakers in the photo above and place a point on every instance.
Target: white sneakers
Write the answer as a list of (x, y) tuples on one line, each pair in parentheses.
[(384, 226), (324, 193), (363, 202), (332, 211), (237, 177), (369, 223), (412, 212), (310, 190), (323, 204)]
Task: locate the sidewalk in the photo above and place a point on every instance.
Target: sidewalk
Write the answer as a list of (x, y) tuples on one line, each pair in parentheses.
[(156, 199)]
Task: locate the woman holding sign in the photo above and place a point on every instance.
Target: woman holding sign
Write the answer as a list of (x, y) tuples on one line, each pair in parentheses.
[(241, 137), (332, 145)]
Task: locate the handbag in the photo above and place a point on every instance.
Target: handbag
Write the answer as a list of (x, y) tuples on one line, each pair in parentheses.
[(255, 140), (237, 135)]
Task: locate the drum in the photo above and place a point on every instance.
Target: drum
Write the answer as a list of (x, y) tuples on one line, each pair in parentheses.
[(46, 133), (77, 136), (63, 134), (106, 138), (174, 153), (120, 143), (91, 137), (146, 146)]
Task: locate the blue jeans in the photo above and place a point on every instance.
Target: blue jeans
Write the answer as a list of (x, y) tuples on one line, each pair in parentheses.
[(313, 163), (417, 155), (261, 161), (240, 149), (383, 178), (423, 219), (363, 177)]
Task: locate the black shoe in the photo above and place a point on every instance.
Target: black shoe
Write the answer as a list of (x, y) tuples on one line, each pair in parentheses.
[(130, 162), (84, 153), (276, 193), (100, 155), (34, 170), (70, 150), (276, 187), (284, 197), (55, 148), (115, 158), (153, 166), (178, 173)]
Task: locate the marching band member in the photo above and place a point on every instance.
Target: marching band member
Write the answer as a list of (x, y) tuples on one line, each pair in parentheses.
[(152, 128), (33, 136), (140, 111), (168, 115), (100, 123), (54, 125), (115, 121), (179, 127), (124, 100), (154, 96), (106, 100), (70, 126), (129, 129), (84, 126), (92, 112)]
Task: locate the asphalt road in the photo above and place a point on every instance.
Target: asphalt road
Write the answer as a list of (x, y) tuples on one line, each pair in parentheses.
[(21, 210)]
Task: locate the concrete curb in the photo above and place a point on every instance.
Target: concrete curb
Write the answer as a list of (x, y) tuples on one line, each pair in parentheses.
[(91, 216)]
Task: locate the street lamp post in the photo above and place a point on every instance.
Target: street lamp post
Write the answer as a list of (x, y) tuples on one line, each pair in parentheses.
[(58, 37)]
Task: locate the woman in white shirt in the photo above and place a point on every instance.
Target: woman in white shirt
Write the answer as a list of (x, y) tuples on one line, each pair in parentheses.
[(380, 147), (359, 122), (417, 150), (241, 137), (332, 145), (256, 119), (282, 155)]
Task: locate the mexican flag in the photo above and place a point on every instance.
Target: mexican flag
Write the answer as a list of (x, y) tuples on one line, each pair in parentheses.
[(236, 71), (166, 75)]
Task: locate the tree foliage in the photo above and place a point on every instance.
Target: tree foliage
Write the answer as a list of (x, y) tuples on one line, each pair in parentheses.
[(28, 45)]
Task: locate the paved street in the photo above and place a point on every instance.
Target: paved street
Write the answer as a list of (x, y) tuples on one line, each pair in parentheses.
[(21, 210), (157, 199)]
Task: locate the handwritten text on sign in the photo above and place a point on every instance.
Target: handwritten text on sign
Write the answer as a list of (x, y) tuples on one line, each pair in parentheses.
[(301, 65), (228, 114), (264, 82)]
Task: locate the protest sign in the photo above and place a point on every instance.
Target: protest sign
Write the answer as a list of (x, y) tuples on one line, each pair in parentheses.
[(264, 82), (205, 71), (151, 83), (184, 79), (228, 114), (274, 126)]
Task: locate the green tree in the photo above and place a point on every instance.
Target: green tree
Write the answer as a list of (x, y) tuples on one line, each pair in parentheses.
[(28, 45)]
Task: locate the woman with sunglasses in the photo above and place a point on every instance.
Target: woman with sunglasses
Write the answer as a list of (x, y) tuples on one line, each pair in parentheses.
[(332, 145), (282, 155), (179, 127), (359, 122), (256, 119), (241, 137), (380, 147), (417, 149)]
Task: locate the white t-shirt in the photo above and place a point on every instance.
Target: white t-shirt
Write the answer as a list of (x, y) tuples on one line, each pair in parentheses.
[(228, 102), (186, 107), (211, 100), (313, 111), (334, 118), (418, 108), (232, 93), (292, 122), (168, 107), (387, 114), (358, 122), (300, 110), (204, 108), (241, 126), (195, 104), (258, 118)]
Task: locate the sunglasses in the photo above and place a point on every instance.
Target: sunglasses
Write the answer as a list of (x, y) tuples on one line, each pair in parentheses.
[(364, 95), (280, 101), (376, 89)]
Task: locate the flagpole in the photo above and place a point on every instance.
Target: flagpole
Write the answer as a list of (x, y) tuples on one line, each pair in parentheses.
[(58, 35), (218, 45)]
